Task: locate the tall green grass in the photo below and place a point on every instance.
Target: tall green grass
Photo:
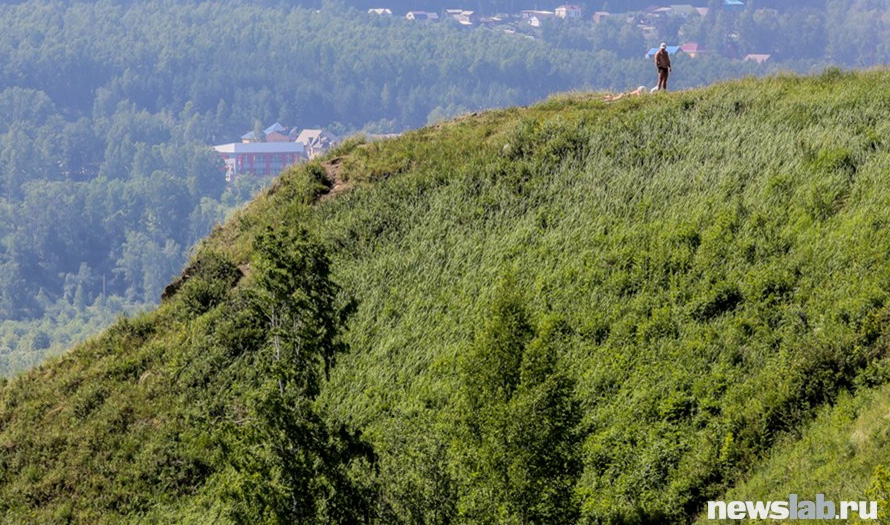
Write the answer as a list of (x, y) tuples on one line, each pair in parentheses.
[(715, 262)]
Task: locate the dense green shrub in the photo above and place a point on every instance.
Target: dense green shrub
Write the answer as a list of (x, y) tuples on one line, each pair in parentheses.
[(206, 284)]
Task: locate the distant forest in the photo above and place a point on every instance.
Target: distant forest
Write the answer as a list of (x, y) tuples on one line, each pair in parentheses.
[(107, 110), (490, 7)]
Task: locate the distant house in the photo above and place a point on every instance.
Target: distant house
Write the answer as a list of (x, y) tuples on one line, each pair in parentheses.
[(382, 11), (422, 16), (734, 6), (491, 20), (599, 16), (568, 11), (462, 17), (757, 57), (672, 50), (277, 133), (528, 14), (261, 159), (536, 18), (691, 48), (703, 11), (468, 16), (317, 141)]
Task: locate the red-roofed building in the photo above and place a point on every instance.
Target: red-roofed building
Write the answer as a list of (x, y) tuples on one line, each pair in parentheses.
[(261, 159), (691, 49)]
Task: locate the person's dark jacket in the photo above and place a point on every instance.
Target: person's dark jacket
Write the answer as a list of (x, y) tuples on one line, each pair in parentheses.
[(662, 59)]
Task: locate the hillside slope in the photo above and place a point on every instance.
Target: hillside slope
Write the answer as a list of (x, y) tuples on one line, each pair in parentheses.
[(573, 312)]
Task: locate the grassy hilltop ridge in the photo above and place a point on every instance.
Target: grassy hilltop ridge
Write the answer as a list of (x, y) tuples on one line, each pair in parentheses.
[(574, 312)]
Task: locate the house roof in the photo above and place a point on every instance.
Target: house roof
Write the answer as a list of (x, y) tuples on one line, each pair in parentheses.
[(760, 58), (733, 3), (599, 16), (313, 137), (422, 15), (276, 128), (261, 147), (672, 50), (691, 47)]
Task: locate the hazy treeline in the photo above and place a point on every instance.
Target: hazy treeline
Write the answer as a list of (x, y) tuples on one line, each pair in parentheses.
[(107, 110), (509, 6)]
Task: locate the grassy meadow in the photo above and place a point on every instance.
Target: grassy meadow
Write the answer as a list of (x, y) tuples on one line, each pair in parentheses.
[(578, 311)]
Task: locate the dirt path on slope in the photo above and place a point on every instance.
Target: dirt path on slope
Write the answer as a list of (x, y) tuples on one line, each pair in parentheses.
[(332, 169)]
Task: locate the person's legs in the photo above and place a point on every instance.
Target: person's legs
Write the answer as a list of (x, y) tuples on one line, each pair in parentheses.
[(662, 78)]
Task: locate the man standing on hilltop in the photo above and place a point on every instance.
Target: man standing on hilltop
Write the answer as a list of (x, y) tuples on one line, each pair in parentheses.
[(663, 64)]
